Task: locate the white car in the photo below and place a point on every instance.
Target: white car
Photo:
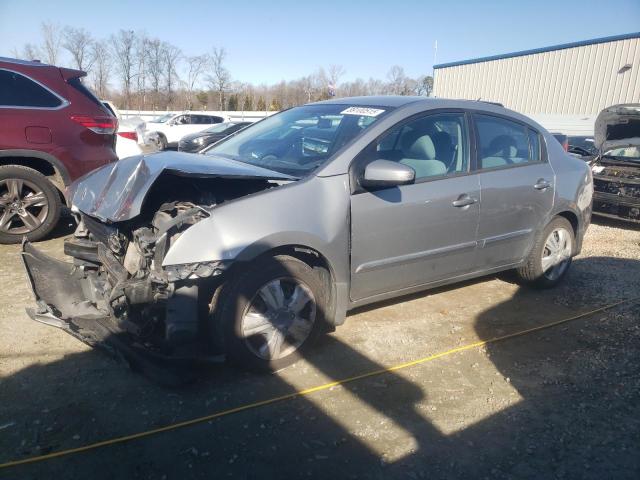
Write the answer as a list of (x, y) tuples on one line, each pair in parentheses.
[(168, 129), (130, 139)]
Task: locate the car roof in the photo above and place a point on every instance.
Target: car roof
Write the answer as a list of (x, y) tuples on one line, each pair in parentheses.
[(31, 63), (427, 103)]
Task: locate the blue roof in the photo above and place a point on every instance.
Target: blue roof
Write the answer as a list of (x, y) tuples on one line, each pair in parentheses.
[(594, 41)]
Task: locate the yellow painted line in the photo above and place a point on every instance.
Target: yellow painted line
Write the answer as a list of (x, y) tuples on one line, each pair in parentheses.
[(301, 393)]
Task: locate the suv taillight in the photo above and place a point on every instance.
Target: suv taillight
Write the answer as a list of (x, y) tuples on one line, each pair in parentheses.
[(98, 124), (130, 135)]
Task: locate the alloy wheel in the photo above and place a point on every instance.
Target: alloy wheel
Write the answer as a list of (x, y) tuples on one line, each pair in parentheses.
[(556, 253), (23, 206), (279, 318)]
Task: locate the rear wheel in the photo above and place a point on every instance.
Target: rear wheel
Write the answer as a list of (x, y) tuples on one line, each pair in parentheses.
[(271, 312), (29, 204), (550, 257)]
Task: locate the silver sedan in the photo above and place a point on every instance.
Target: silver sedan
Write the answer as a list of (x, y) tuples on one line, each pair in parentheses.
[(268, 239)]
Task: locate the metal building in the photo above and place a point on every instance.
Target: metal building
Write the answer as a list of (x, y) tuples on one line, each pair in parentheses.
[(571, 80)]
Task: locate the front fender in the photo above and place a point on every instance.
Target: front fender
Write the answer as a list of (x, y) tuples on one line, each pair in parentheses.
[(312, 213)]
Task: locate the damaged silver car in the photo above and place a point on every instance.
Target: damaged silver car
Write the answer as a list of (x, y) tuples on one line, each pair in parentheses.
[(616, 169), (251, 250)]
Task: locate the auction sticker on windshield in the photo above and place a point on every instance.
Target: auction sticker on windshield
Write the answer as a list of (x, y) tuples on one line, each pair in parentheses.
[(363, 111)]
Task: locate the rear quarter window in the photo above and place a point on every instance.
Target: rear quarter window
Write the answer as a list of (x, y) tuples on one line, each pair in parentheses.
[(16, 90), (79, 87)]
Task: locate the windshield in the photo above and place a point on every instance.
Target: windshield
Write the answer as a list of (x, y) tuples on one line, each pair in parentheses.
[(219, 128), (299, 140), (162, 118)]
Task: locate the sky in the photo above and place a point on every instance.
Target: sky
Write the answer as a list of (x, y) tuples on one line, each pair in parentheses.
[(269, 41)]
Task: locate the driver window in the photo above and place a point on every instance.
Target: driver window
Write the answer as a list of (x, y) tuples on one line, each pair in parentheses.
[(503, 142), (182, 120), (434, 145)]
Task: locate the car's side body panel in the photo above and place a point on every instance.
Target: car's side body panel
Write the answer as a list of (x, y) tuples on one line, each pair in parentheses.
[(412, 234)]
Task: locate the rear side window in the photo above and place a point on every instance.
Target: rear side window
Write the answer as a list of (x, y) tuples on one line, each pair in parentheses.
[(503, 143), (78, 86), (211, 120), (16, 90)]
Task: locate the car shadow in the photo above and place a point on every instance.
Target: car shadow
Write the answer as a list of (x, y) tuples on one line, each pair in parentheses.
[(571, 408), (65, 226)]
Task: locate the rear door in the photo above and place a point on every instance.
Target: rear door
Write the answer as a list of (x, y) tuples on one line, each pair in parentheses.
[(517, 189), (28, 109), (421, 233)]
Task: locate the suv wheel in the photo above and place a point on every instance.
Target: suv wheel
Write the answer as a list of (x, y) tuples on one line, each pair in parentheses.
[(272, 311), (29, 204), (550, 257)]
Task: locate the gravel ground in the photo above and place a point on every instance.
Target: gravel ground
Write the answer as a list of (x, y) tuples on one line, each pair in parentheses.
[(559, 403)]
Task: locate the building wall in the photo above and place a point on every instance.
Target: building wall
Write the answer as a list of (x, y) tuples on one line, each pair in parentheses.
[(580, 80)]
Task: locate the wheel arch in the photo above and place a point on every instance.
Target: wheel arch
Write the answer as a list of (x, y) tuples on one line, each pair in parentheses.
[(315, 259), (42, 162)]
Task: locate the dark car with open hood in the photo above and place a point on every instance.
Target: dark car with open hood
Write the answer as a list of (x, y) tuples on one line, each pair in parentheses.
[(616, 168)]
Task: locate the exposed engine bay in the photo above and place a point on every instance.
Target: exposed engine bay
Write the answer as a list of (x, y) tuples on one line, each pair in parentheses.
[(117, 283), (617, 190)]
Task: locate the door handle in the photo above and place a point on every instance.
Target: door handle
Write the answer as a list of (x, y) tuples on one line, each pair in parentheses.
[(541, 184), (464, 200)]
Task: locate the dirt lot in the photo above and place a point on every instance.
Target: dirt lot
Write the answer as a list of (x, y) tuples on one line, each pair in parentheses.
[(560, 403)]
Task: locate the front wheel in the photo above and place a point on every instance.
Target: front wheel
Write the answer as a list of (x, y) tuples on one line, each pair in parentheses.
[(550, 257), (271, 312)]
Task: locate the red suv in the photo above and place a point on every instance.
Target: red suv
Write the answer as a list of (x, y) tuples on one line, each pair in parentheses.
[(52, 131)]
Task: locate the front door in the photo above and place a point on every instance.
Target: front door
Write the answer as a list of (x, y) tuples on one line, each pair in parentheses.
[(416, 234), (517, 185)]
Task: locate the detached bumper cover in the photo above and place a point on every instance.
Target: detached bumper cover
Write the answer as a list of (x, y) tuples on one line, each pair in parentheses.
[(60, 301)]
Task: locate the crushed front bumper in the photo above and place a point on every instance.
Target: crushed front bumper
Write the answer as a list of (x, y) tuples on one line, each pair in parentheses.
[(617, 197), (61, 303)]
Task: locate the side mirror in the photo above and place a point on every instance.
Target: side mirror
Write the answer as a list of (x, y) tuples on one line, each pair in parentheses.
[(384, 173)]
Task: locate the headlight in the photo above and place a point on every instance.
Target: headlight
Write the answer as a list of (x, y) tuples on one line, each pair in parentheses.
[(194, 270), (199, 140)]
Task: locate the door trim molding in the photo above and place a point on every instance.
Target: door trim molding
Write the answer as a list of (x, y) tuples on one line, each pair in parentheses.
[(505, 236), (413, 257)]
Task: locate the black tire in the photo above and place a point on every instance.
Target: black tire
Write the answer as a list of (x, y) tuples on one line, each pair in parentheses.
[(46, 211), (532, 272), (241, 294)]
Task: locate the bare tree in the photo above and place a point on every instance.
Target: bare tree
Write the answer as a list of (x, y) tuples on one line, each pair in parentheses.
[(196, 66), (123, 53), (155, 66), (78, 42), (172, 55), (220, 77), (101, 68), (424, 85), (336, 72), (396, 79), (52, 38), (29, 52), (141, 56)]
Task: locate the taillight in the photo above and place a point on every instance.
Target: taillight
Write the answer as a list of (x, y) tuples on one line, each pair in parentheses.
[(130, 135), (98, 124)]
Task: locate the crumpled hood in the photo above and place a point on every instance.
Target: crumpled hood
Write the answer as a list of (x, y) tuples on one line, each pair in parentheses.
[(116, 192), (618, 126)]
